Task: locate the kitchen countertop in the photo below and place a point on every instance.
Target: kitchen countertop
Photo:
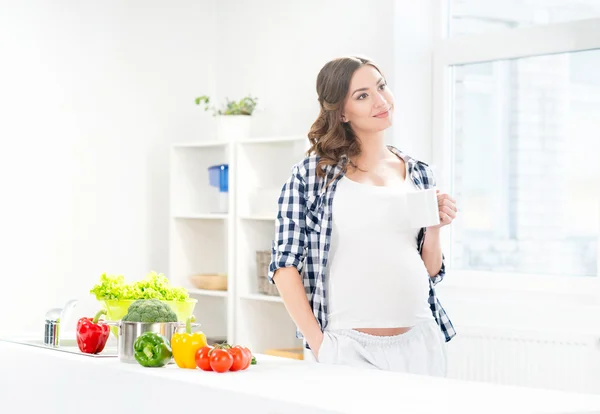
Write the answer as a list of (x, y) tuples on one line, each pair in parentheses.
[(46, 381)]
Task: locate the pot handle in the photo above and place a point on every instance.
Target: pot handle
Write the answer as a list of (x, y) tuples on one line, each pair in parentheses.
[(193, 324), (110, 323), (191, 320), (182, 325)]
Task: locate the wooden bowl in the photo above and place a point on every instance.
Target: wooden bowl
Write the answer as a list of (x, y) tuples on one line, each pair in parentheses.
[(211, 281)]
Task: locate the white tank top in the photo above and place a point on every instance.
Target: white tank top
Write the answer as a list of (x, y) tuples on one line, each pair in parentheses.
[(376, 277)]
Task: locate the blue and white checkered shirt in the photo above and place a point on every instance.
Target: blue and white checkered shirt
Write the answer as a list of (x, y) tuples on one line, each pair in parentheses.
[(304, 225)]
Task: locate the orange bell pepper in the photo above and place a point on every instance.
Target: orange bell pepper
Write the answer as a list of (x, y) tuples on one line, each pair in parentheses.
[(185, 345)]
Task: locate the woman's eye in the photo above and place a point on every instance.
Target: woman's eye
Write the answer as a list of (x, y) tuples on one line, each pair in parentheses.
[(382, 86), (362, 96)]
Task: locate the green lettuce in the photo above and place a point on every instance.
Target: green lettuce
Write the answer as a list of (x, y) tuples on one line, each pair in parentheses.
[(157, 286), (153, 286)]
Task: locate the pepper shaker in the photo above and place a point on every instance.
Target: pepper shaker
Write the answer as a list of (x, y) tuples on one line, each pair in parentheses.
[(52, 328)]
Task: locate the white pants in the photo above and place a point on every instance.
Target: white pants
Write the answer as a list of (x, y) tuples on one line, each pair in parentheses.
[(422, 350)]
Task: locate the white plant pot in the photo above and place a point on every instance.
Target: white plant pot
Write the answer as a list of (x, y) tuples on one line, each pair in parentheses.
[(233, 127)]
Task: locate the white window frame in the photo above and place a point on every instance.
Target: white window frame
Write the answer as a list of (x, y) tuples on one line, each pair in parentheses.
[(500, 45)]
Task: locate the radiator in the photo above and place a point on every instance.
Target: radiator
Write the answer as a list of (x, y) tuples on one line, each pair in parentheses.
[(552, 360)]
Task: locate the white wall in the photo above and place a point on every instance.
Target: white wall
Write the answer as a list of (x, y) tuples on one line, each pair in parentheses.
[(413, 27), (92, 94), (275, 49)]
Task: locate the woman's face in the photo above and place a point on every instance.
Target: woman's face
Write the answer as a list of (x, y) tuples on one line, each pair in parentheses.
[(369, 104)]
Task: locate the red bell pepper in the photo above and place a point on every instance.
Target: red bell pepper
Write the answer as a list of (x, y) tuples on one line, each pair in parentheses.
[(91, 336)]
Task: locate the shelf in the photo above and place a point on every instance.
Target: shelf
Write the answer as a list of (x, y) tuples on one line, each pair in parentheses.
[(202, 292), (198, 247), (263, 323), (260, 218), (263, 298), (190, 190), (201, 144), (202, 216), (249, 141), (276, 140), (202, 240)]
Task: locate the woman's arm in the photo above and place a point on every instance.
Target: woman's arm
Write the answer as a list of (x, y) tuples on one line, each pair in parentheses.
[(432, 251), (291, 289)]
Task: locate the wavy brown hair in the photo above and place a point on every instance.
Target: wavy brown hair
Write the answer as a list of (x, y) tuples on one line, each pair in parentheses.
[(330, 138)]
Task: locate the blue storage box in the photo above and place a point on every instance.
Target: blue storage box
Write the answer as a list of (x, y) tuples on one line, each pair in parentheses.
[(218, 176)]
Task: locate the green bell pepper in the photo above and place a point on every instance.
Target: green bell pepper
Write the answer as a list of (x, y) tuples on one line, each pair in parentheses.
[(152, 349)]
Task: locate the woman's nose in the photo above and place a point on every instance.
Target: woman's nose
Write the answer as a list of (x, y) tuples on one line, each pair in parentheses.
[(380, 100)]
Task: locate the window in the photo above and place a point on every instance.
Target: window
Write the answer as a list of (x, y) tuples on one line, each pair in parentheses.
[(517, 139), (481, 16), (526, 143)]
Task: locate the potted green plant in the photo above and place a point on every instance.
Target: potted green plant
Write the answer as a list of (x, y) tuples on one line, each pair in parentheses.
[(234, 118)]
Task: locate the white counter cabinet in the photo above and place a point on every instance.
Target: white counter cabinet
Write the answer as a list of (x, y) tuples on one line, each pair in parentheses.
[(37, 380)]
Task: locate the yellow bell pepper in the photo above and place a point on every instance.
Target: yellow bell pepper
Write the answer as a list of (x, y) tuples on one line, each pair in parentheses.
[(185, 345)]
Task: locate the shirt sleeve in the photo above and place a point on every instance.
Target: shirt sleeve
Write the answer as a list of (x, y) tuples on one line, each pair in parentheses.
[(289, 245)]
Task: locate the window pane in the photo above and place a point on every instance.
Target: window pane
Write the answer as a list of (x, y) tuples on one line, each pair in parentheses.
[(526, 149), (479, 16)]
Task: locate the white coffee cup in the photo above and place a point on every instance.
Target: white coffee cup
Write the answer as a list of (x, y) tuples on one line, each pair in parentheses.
[(423, 208)]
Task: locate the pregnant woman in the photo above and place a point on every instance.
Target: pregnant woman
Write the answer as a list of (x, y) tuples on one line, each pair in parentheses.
[(355, 278)]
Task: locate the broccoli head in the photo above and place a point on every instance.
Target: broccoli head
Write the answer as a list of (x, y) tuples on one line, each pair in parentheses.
[(149, 310)]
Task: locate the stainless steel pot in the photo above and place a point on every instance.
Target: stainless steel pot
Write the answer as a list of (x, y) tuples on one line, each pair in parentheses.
[(130, 331)]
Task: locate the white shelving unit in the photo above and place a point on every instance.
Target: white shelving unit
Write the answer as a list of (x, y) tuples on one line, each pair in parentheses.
[(205, 240)]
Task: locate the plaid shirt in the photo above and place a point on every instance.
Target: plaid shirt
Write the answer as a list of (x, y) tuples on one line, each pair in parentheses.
[(304, 226)]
